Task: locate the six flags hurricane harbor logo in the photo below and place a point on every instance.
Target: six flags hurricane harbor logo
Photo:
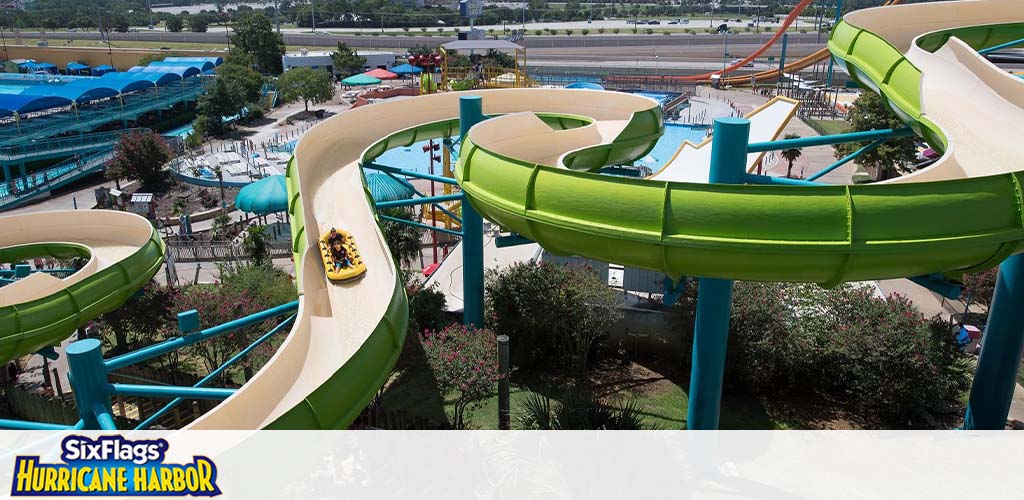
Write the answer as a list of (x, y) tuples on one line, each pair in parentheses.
[(113, 466)]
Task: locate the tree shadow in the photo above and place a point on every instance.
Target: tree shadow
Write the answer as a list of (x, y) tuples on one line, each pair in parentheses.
[(412, 387)]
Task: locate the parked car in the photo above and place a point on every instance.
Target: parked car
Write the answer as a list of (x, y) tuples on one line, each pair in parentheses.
[(655, 21), (737, 61)]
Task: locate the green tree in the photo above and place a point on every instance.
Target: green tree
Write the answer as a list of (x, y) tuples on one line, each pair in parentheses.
[(49, 23), (139, 156), (256, 246), (885, 161), (307, 84), (137, 322), (198, 23), (791, 154), (175, 24), (254, 35), (120, 24), (553, 313), (404, 240), (218, 101), (346, 61)]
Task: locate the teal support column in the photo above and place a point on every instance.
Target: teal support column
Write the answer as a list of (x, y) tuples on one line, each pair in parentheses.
[(471, 113), (996, 376), (782, 57), (7, 173), (714, 296), (24, 176), (89, 381)]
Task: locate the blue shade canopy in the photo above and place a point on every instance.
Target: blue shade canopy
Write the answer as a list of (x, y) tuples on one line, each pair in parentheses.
[(266, 196), (205, 61), (383, 188), (77, 66), (105, 67), (406, 69), (27, 103), (584, 85), (200, 65)]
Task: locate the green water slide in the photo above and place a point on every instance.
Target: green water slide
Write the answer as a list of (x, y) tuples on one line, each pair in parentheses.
[(122, 252), (822, 234)]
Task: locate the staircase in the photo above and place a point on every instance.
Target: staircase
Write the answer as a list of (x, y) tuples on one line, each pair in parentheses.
[(40, 183), (61, 146)]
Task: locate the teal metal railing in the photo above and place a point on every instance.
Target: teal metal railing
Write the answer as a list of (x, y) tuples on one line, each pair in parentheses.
[(27, 188), (62, 145)]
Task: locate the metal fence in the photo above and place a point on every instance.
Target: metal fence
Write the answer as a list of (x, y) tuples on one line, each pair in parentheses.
[(186, 250)]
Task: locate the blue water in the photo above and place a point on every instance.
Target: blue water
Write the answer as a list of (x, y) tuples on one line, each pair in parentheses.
[(182, 131), (658, 97), (670, 142), (12, 89), (413, 158)]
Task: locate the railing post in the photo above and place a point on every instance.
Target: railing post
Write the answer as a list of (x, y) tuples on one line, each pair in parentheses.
[(504, 413), (714, 296), (89, 381), (471, 113), (996, 375)]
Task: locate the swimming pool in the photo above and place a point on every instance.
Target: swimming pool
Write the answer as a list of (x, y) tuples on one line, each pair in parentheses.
[(182, 131), (413, 158), (670, 142)]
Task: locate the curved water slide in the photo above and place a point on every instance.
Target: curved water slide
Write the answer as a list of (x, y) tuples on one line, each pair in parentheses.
[(529, 171), (123, 252)]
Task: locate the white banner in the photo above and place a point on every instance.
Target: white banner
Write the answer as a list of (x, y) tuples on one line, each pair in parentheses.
[(515, 465)]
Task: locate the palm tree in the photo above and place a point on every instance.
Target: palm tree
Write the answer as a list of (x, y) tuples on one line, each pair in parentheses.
[(791, 154), (579, 410), (404, 240)]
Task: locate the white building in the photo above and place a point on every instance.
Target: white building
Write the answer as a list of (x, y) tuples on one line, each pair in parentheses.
[(322, 60)]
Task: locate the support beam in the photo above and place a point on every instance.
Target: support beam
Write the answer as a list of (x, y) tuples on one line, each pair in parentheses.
[(421, 201), (779, 181), (512, 240), (1001, 46), (170, 391), (410, 173), (996, 376), (846, 159), (421, 226), (471, 113), (714, 296), (825, 140)]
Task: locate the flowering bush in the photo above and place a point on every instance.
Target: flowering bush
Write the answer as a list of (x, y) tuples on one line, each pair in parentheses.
[(464, 363)]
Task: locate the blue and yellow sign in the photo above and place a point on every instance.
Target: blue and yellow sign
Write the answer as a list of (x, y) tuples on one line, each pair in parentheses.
[(113, 466)]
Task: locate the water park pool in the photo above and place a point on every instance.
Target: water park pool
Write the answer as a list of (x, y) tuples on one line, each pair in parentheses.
[(182, 131), (659, 97), (669, 143), (413, 158)]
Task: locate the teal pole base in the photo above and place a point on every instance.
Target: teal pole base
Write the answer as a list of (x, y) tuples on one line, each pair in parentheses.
[(710, 339), (1003, 345), (89, 381), (471, 113)]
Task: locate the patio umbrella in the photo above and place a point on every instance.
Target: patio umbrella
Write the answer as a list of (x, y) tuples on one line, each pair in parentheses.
[(406, 69), (383, 74), (361, 80), (266, 196), (383, 188)]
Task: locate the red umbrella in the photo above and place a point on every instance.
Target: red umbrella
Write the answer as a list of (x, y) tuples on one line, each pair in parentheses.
[(382, 74)]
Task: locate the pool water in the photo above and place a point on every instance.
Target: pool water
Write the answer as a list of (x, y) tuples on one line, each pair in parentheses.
[(182, 131), (413, 158), (670, 142), (657, 97), (12, 89)]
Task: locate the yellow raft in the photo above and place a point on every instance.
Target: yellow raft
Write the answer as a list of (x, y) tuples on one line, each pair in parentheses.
[(358, 267)]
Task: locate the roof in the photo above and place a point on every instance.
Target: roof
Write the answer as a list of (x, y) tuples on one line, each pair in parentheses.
[(360, 80), (405, 69), (215, 60), (383, 74), (266, 196), (105, 67), (27, 103), (383, 188), (202, 65), (77, 66), (481, 45)]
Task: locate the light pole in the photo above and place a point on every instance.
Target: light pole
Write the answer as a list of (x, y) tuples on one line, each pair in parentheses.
[(725, 50)]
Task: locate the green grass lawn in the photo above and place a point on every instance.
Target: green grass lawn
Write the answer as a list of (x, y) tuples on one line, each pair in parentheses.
[(829, 127), (662, 397)]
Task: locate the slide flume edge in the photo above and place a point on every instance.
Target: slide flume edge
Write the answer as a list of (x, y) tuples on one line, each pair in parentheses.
[(123, 252)]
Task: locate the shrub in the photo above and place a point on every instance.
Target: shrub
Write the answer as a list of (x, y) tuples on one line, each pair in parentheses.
[(649, 31), (538, 32), (981, 286), (464, 364), (584, 32), (577, 411), (554, 314), (426, 308), (666, 32), (635, 30), (616, 30), (880, 357), (600, 31)]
